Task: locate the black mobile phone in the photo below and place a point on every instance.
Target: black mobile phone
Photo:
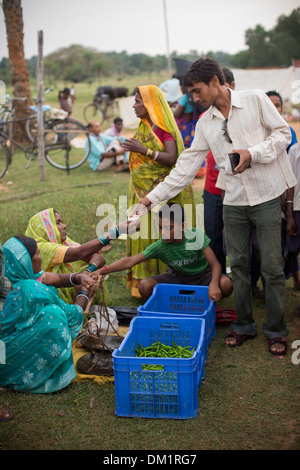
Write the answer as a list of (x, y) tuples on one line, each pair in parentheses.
[(235, 160)]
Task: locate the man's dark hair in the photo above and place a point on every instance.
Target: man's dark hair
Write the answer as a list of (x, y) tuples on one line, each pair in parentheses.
[(203, 70), (274, 93), (173, 211), (229, 77), (118, 119), (29, 243)]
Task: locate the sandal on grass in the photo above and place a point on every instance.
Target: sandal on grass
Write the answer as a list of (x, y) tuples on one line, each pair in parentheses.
[(239, 338), (280, 340)]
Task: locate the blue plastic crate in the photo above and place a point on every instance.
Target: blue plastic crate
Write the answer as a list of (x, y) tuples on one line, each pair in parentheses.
[(168, 393), (187, 300)]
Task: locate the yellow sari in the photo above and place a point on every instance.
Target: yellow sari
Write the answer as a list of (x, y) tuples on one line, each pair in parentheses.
[(145, 175)]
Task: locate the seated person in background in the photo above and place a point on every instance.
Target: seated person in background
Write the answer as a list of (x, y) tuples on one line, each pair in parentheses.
[(59, 253), (66, 100), (115, 131), (100, 157), (37, 326), (185, 251)]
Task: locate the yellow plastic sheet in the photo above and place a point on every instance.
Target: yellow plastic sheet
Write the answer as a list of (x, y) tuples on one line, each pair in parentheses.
[(78, 352)]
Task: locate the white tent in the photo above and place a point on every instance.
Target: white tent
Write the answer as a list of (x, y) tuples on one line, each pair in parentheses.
[(284, 80)]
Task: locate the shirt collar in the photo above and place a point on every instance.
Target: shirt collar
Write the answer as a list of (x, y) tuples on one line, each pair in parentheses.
[(235, 101)]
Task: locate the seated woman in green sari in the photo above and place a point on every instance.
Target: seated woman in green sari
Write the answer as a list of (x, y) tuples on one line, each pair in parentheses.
[(59, 253), (37, 327), (154, 150)]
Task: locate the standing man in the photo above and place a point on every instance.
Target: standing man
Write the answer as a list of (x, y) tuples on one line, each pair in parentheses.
[(212, 196), (244, 122)]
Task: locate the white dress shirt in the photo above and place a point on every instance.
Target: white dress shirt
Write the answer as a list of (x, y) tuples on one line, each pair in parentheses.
[(254, 124)]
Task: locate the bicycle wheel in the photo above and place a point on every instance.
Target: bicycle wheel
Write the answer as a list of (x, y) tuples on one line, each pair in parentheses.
[(32, 128), (91, 112), (111, 112), (67, 143), (4, 158)]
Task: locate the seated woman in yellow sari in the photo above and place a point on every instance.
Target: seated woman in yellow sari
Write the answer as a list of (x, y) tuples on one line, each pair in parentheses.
[(154, 150), (59, 253)]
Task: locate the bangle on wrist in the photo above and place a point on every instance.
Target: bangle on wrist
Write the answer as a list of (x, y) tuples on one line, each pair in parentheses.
[(289, 202), (115, 232), (91, 268), (74, 280), (83, 293), (156, 155), (105, 270), (103, 240)]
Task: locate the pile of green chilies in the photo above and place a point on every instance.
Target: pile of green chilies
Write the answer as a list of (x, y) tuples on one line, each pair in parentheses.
[(159, 349)]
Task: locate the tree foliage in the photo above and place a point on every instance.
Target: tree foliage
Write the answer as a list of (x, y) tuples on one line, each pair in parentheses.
[(276, 47)]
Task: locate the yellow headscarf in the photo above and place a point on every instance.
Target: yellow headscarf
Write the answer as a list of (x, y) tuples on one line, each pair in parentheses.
[(146, 173)]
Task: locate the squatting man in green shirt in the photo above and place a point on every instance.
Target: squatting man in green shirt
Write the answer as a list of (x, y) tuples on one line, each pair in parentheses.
[(185, 251)]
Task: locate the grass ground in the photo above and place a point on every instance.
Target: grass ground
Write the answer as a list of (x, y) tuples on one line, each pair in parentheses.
[(249, 399)]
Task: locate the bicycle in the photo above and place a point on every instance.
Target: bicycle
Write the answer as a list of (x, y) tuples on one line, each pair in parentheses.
[(102, 109), (67, 144)]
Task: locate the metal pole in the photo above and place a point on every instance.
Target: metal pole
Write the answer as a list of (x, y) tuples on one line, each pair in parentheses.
[(167, 38), (40, 116)]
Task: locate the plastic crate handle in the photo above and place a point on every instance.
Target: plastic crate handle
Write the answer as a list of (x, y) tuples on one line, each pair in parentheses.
[(169, 326), (187, 292), (153, 367)]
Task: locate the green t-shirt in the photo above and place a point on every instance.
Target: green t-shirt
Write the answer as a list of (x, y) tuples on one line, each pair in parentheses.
[(186, 257)]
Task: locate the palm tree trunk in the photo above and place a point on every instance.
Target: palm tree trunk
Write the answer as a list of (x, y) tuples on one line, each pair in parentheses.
[(19, 73)]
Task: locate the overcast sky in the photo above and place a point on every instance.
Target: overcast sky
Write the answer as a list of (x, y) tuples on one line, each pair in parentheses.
[(138, 25)]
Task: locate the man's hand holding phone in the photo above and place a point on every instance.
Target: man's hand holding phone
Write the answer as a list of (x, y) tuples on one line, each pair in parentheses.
[(240, 160)]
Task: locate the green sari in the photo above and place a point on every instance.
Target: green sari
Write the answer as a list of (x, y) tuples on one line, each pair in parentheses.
[(145, 175), (37, 328)]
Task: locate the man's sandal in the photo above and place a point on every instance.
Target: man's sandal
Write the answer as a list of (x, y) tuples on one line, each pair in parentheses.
[(281, 340), (239, 338)]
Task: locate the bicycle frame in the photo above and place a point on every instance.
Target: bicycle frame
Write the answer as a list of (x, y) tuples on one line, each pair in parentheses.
[(30, 149)]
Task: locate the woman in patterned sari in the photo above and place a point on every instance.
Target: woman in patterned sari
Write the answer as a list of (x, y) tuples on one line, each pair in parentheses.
[(37, 326), (59, 253), (154, 150)]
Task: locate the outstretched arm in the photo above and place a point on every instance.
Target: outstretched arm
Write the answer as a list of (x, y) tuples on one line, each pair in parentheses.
[(65, 280), (85, 251), (122, 264)]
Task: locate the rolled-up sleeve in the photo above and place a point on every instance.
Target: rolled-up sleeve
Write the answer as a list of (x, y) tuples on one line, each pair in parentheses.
[(280, 135)]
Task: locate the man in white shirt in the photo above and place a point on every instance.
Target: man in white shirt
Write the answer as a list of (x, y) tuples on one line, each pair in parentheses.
[(247, 123)]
